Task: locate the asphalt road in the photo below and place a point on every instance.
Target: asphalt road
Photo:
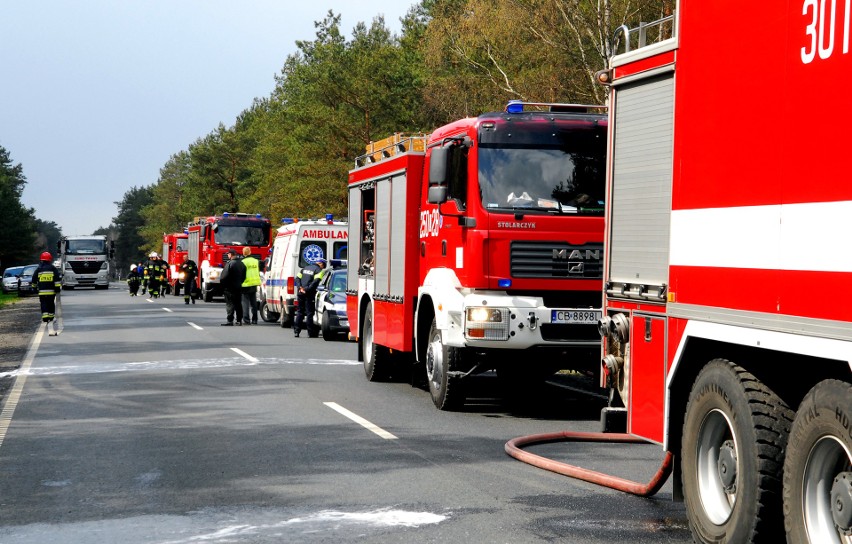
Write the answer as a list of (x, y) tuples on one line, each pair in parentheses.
[(147, 422)]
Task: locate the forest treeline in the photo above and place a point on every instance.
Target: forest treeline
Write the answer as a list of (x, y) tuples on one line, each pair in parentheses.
[(288, 154)]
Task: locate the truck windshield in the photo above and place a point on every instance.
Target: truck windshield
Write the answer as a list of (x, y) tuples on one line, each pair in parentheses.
[(568, 177), (79, 247), (243, 235)]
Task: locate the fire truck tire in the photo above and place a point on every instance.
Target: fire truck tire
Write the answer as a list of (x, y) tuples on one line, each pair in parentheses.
[(734, 436), (818, 467), (177, 289), (447, 391), (377, 360), (207, 294)]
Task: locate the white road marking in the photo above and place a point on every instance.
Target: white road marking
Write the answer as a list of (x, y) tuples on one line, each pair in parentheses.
[(244, 355), (194, 326), (175, 364), (15, 394), (360, 421), (168, 310)]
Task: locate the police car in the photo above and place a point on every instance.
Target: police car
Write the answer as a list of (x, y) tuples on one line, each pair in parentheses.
[(331, 305)]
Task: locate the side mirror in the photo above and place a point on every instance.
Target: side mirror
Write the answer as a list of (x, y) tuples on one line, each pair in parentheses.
[(437, 194), (438, 165)]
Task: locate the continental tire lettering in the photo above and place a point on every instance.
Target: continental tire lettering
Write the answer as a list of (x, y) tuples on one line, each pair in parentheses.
[(843, 419)]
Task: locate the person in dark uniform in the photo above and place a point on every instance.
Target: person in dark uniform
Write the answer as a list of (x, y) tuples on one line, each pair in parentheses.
[(133, 281), (190, 272), (232, 278), (307, 281), (49, 284), (155, 273)]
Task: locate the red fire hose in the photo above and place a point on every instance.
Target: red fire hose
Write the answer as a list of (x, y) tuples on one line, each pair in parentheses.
[(513, 448)]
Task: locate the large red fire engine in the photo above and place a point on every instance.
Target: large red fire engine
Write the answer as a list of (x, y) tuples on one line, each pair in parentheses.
[(210, 238), (727, 202), (175, 246), (479, 247)]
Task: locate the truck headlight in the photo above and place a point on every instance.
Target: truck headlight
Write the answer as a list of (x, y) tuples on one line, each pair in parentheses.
[(214, 275), (486, 323)]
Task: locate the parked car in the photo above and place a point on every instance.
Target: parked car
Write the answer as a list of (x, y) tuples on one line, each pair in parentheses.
[(331, 305), (27, 285), (10, 278)]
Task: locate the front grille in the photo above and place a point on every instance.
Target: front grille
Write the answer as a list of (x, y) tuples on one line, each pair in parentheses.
[(556, 260), (85, 267), (565, 332)]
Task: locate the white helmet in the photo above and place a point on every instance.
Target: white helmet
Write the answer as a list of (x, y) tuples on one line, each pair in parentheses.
[(153, 255)]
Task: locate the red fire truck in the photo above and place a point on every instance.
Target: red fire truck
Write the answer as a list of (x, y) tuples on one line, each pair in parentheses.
[(479, 247), (210, 238), (175, 246), (726, 206)]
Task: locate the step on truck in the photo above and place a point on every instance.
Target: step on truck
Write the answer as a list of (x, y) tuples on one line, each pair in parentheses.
[(728, 308), (480, 247)]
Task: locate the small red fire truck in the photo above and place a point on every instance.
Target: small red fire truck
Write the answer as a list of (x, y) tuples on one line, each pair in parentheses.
[(726, 206), (479, 247), (175, 246), (210, 238)]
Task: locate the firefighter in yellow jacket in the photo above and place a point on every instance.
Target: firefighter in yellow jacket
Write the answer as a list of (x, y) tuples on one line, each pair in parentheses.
[(49, 284)]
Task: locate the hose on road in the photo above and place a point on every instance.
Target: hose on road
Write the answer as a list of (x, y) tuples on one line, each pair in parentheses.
[(513, 448)]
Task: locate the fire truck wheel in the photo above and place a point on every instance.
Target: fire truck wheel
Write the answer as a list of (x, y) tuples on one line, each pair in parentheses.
[(207, 294), (447, 391), (818, 468), (377, 359), (732, 452)]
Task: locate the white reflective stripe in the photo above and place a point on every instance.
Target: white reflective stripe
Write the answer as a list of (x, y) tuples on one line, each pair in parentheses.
[(777, 237)]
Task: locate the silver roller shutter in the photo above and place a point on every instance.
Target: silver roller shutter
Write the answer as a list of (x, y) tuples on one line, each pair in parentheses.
[(642, 182)]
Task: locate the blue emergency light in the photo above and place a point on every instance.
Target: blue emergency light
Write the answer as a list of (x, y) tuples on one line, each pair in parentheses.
[(515, 106), (504, 283)]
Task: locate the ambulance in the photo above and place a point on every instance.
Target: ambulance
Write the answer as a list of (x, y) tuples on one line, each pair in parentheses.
[(297, 244)]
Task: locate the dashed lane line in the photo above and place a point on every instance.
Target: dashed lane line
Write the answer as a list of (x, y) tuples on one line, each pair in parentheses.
[(244, 355), (360, 421), (194, 326)]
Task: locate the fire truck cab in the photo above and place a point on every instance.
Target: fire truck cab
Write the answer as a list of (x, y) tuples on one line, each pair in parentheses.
[(210, 238), (175, 247), (727, 327), (479, 247)]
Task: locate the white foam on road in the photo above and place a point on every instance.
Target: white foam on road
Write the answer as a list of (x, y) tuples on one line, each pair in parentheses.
[(175, 364)]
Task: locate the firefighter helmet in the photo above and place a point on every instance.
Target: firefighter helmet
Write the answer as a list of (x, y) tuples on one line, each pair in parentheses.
[(153, 255), (46, 256)]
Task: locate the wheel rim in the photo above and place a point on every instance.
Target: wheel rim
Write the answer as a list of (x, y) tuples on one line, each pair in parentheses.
[(827, 459), (716, 458), (435, 360)]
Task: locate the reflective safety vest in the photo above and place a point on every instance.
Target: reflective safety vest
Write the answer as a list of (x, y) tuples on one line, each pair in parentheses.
[(252, 272)]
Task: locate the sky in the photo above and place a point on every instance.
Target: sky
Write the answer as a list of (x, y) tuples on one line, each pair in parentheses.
[(97, 95)]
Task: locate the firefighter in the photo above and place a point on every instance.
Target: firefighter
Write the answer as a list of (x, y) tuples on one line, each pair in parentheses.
[(307, 281), (190, 272), (143, 276), (155, 271), (133, 280), (49, 284), (250, 286)]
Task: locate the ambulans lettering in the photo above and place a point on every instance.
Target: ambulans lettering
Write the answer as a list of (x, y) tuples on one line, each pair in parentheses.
[(326, 234), (430, 223), (819, 32)]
